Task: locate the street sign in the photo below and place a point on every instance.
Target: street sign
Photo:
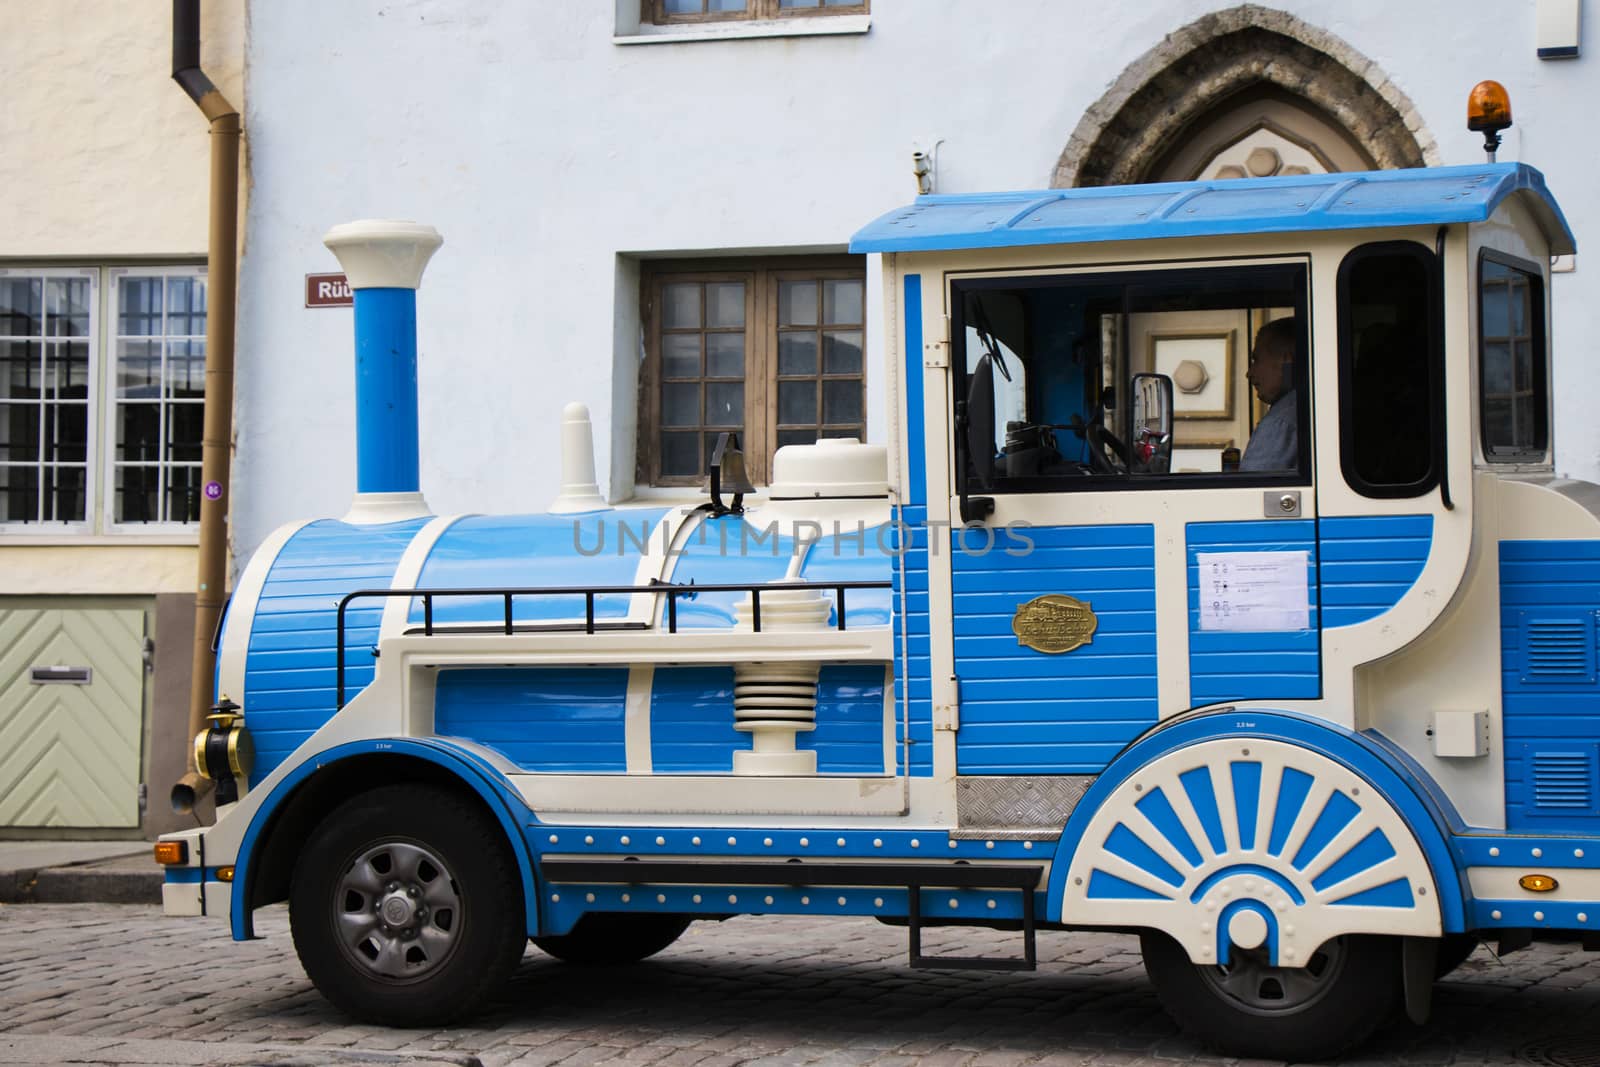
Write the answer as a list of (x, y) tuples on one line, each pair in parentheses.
[(328, 291)]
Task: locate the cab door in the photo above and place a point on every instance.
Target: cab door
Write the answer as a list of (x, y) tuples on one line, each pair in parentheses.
[(1108, 568)]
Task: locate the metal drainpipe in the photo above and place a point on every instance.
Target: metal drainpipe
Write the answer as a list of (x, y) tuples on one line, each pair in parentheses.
[(221, 293)]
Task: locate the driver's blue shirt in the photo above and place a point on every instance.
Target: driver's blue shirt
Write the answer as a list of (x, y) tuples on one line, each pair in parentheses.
[(1275, 444)]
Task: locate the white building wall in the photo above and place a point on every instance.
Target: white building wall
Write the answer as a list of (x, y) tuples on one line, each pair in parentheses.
[(549, 155)]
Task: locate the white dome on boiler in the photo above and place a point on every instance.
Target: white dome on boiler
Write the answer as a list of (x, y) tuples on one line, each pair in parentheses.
[(833, 468)]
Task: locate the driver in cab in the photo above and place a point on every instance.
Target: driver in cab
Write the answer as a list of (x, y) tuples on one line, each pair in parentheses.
[(1275, 443)]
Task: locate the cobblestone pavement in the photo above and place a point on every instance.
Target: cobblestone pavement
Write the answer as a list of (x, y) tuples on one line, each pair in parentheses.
[(780, 991)]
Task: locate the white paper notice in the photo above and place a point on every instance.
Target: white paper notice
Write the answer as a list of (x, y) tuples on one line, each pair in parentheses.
[(1260, 591)]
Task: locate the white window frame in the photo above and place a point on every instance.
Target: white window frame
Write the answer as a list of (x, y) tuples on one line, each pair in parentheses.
[(111, 402), (100, 461), (55, 527)]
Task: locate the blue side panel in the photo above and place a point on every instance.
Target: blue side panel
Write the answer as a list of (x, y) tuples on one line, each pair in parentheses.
[(727, 551), (1368, 563), (1227, 665), (1029, 712), (913, 685), (691, 721), (526, 551), (1549, 607), (555, 719), (849, 734), (289, 675)]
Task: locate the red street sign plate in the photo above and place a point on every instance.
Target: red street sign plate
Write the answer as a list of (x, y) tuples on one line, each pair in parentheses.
[(328, 291)]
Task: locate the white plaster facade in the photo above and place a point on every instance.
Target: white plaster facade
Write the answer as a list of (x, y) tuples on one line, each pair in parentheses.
[(554, 147), (106, 162)]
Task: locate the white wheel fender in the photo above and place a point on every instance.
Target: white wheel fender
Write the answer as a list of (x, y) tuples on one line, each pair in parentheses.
[(1250, 842)]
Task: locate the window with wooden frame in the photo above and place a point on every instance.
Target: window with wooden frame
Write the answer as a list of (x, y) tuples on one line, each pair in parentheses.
[(773, 349), (669, 12)]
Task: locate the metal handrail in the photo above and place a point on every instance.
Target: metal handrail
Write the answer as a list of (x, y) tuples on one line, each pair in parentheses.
[(755, 589)]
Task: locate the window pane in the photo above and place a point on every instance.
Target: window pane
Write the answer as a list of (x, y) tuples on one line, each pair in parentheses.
[(797, 353), (64, 496), (183, 494), (138, 432), (797, 403), (680, 454), (1386, 342), (20, 306), (19, 493), (841, 303), (19, 432), (724, 403), (66, 432), (797, 303), (185, 431), (186, 307), (139, 304), (680, 306), (1511, 348), (723, 6), (138, 494), (67, 369), (841, 402), (68, 307), (841, 352), (186, 369), (680, 404), (725, 304), (20, 371), (786, 4), (138, 368), (680, 355), (724, 355), (796, 437)]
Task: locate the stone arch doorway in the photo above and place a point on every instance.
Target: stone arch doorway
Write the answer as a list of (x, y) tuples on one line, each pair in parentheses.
[(1252, 89)]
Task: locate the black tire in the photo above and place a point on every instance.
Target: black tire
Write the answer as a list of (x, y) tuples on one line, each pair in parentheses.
[(406, 907), (603, 939), (1350, 987)]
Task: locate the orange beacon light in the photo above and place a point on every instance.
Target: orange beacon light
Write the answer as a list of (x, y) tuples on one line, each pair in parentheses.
[(1489, 110)]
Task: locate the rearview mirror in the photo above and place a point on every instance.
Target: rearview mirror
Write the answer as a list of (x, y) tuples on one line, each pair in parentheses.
[(1150, 444)]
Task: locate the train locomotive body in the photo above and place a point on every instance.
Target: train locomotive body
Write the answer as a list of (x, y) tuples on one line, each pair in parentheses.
[(1312, 721)]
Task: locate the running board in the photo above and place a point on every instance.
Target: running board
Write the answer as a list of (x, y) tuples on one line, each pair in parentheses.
[(914, 877)]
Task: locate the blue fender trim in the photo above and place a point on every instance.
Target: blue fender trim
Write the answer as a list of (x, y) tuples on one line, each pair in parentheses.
[(473, 771), (1373, 762)]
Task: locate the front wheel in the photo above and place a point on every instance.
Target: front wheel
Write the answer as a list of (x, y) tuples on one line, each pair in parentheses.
[(1250, 1008), (405, 907)]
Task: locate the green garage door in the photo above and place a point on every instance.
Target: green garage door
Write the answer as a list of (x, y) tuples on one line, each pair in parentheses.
[(71, 714)]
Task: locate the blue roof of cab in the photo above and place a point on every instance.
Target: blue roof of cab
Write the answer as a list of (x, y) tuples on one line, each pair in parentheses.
[(1344, 201)]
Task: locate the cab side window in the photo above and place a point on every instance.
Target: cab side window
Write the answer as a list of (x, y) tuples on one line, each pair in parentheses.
[(1511, 348), (1159, 378), (1391, 386)]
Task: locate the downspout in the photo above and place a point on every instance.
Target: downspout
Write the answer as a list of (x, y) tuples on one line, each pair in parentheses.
[(222, 257)]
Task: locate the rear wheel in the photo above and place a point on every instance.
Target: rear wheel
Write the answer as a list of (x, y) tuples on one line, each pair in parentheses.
[(406, 908), (1251, 1008), (603, 939)]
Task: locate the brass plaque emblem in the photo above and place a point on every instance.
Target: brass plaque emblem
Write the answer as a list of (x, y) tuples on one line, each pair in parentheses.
[(1054, 623)]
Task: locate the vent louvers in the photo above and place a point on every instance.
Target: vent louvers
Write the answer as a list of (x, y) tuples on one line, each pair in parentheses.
[(1559, 650), (1563, 781)]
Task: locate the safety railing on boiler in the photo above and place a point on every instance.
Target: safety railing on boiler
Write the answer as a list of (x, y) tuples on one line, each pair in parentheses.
[(509, 596)]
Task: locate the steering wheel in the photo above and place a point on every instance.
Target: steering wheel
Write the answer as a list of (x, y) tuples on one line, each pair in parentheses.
[(1106, 450)]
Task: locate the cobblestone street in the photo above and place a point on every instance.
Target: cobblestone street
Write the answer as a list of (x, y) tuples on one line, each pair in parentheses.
[(744, 991)]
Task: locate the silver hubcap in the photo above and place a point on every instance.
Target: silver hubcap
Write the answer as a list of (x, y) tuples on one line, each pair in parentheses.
[(397, 914), (1261, 989)]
